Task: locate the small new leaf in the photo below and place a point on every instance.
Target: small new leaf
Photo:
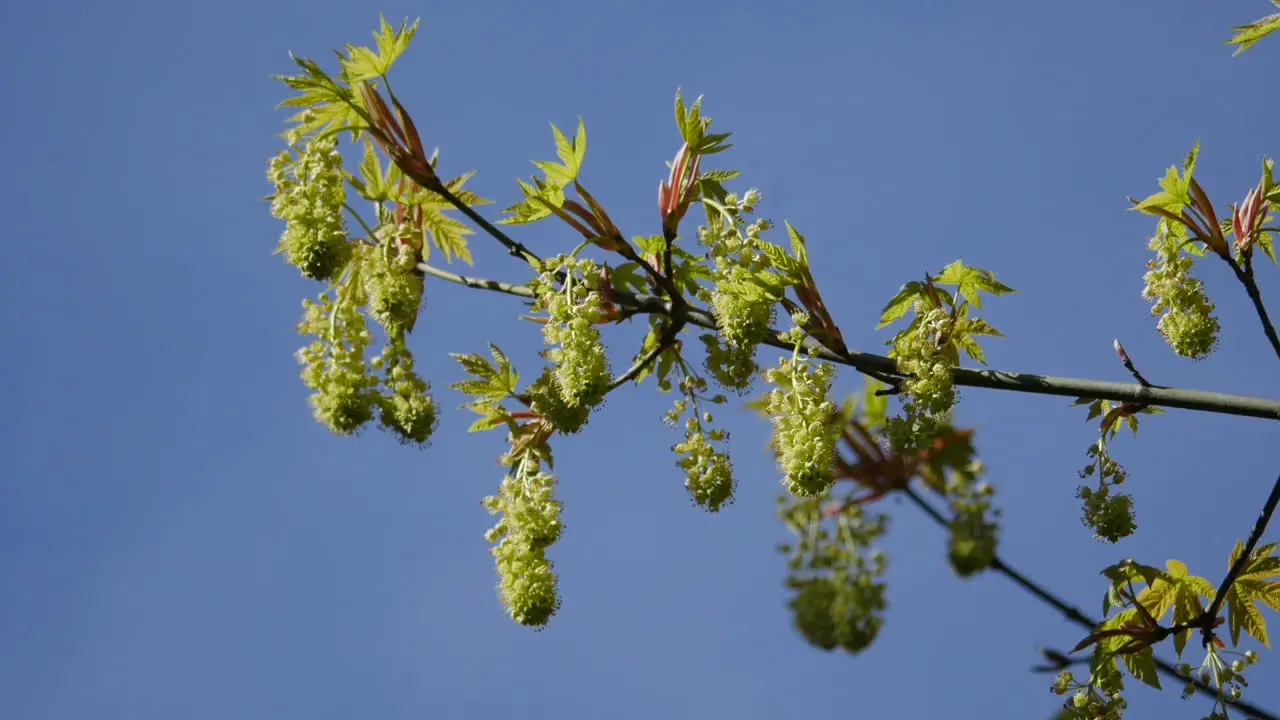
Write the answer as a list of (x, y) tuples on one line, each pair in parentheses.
[(790, 268), (900, 304), (627, 276), (492, 382), (797, 244), (539, 198), (373, 184), (970, 281), (1247, 35), (363, 63)]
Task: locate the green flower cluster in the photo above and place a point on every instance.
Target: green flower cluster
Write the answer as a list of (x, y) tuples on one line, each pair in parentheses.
[(928, 390), (743, 311), (1186, 313), (529, 523), (405, 408), (1100, 698), (346, 392), (333, 366), (581, 366), (973, 541), (708, 470), (1108, 514), (309, 197), (805, 427), (1229, 677), (839, 600), (392, 280), (545, 399)]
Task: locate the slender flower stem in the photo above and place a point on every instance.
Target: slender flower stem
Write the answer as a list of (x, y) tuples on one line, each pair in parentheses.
[(991, 379), (1079, 618)]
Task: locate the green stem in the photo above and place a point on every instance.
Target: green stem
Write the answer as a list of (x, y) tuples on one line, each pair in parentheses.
[(513, 247), (668, 336), (1079, 618), (356, 215), (991, 379), (1255, 295)]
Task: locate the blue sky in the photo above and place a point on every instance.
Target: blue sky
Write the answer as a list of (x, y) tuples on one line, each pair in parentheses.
[(178, 538)]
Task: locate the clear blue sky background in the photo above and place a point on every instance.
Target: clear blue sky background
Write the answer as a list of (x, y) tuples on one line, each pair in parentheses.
[(178, 538)]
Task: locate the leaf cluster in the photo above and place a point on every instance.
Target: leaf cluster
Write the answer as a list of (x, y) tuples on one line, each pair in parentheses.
[(963, 330)]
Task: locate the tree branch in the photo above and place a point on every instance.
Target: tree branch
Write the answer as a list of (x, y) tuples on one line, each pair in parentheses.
[(513, 247), (668, 336), (1079, 618), (1251, 287), (991, 379), (1259, 527)]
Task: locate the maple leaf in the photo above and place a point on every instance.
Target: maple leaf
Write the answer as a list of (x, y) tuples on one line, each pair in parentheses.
[(1180, 591), (1250, 588)]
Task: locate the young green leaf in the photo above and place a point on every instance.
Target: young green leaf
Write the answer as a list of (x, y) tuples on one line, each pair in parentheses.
[(1247, 35), (797, 244), (363, 63), (790, 268), (571, 152), (970, 281), (1142, 665), (1252, 586), (627, 276), (900, 304), (874, 407)]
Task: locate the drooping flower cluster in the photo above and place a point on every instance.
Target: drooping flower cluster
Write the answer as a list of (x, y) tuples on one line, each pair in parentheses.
[(333, 366), (405, 408), (973, 540), (1186, 312), (805, 427), (839, 600), (708, 470), (1215, 672), (1109, 514), (546, 400), (743, 310), (346, 390), (309, 197), (529, 522), (1100, 698), (928, 390), (392, 280), (581, 365)]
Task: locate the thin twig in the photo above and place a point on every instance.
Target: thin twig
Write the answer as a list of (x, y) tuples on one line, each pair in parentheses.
[(664, 342), (991, 379), (1259, 527), (1251, 287), (1079, 618), (516, 249)]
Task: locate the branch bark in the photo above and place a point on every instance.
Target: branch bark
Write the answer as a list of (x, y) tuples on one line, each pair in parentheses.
[(879, 365)]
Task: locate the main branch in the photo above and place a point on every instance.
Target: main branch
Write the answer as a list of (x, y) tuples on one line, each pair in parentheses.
[(991, 379)]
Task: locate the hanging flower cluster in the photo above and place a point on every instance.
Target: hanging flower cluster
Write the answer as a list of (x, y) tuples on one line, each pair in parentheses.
[(529, 522), (581, 365), (1179, 299), (805, 425), (309, 196)]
